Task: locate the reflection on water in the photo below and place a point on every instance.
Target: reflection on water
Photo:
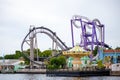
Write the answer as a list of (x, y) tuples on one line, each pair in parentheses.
[(44, 77)]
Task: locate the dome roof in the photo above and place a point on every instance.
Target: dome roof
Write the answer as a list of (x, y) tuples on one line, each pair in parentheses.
[(76, 51), (77, 48)]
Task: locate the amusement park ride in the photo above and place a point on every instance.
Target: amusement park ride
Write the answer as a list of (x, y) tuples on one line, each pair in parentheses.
[(88, 37), (31, 40), (88, 34)]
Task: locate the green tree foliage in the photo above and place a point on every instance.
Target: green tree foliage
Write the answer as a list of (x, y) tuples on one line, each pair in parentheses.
[(100, 64), (62, 61), (117, 48), (27, 52), (17, 55), (57, 62), (1, 57), (37, 52), (95, 51), (9, 56), (46, 53)]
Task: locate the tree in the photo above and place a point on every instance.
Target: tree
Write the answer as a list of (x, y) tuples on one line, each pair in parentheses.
[(100, 64), (18, 54), (54, 63), (117, 48), (95, 51), (1, 57), (57, 62), (9, 56), (62, 61), (37, 52), (46, 53)]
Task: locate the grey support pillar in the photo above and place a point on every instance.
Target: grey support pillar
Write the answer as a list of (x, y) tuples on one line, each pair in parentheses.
[(31, 37)]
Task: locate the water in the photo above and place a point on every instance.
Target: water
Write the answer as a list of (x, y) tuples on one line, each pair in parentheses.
[(44, 77)]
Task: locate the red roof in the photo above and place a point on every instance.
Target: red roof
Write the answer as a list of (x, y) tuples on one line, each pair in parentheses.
[(111, 50)]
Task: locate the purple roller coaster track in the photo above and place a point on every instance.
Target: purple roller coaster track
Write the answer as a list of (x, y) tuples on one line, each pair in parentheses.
[(88, 36)]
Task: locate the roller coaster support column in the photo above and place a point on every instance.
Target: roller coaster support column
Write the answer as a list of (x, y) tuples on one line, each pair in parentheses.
[(72, 34), (31, 37)]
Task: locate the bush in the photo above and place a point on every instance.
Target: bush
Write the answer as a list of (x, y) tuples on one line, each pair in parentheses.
[(50, 67), (100, 64), (62, 61), (57, 62)]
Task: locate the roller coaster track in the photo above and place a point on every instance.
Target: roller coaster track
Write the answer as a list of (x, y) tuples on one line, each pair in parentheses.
[(88, 31), (49, 33), (88, 36)]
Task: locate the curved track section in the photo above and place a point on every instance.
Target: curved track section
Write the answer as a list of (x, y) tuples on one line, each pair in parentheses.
[(88, 31), (53, 36), (46, 31), (89, 38)]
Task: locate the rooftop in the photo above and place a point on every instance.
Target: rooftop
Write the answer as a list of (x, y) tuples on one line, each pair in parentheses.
[(76, 51), (111, 51)]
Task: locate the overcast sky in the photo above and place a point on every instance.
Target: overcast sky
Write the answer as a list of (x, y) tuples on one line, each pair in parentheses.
[(16, 16)]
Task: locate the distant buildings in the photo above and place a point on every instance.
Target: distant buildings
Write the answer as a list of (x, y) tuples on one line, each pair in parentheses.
[(113, 54), (11, 65)]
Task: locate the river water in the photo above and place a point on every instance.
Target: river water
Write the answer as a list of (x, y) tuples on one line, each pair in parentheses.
[(44, 77)]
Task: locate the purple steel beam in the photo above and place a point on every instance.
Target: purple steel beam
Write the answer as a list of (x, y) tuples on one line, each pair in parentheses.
[(93, 35)]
